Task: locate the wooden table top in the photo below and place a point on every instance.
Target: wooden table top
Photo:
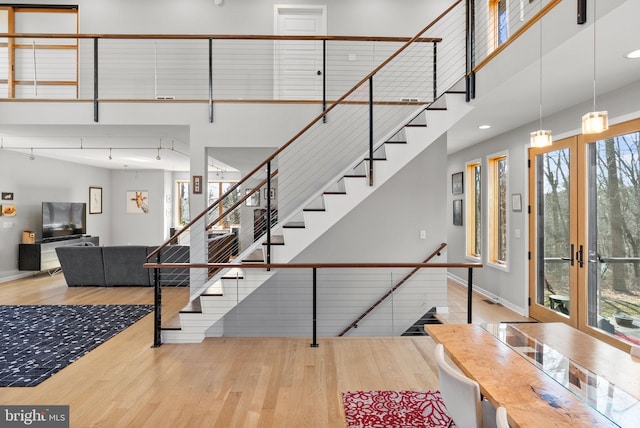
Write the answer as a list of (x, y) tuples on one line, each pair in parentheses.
[(532, 398)]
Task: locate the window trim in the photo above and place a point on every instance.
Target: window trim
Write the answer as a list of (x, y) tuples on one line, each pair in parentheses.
[(492, 212), (470, 197)]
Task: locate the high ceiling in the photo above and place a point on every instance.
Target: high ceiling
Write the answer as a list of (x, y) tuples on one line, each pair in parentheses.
[(508, 98)]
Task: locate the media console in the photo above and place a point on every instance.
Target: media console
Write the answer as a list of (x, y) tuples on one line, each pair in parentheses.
[(42, 256)]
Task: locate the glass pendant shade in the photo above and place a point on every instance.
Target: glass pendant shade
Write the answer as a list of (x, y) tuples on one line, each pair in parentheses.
[(595, 122), (541, 138)]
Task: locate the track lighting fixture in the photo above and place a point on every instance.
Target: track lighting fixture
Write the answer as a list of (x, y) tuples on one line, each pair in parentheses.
[(31, 156)]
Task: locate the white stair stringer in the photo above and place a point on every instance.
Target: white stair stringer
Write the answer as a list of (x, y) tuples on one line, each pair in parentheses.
[(195, 326), (358, 189)]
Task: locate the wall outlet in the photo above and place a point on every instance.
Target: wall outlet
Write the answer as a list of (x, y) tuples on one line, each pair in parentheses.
[(7, 224), (423, 234), (352, 57)]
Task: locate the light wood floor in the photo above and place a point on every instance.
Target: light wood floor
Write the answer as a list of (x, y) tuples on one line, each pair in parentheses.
[(222, 382)]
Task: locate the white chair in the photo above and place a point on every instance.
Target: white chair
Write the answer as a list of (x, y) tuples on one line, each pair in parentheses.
[(461, 396), (501, 418)]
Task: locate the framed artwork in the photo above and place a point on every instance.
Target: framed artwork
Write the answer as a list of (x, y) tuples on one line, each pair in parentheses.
[(197, 184), (456, 183), (516, 202), (254, 199), (95, 200), (457, 212), (9, 210), (137, 202), (272, 194), (7, 196)]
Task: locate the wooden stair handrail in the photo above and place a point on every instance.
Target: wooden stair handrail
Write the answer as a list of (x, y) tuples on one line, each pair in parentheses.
[(388, 293), (318, 118)]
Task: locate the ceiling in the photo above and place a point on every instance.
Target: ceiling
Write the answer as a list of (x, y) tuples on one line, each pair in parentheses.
[(508, 98)]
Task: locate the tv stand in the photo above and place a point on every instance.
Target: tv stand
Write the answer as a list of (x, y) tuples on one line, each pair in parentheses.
[(42, 256)]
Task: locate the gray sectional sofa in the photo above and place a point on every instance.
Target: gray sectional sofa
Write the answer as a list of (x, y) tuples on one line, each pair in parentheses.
[(122, 265)]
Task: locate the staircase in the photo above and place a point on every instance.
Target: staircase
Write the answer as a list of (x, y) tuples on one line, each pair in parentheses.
[(204, 316)]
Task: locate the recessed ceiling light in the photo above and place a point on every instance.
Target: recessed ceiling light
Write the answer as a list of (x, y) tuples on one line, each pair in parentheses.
[(484, 126), (633, 55)]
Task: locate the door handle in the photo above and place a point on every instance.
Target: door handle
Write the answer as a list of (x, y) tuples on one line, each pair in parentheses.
[(570, 258), (579, 256)]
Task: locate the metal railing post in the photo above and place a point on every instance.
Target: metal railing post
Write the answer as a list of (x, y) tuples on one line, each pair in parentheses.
[(95, 79), (371, 131), (324, 78), (157, 309), (314, 344), (435, 70), (469, 294), (268, 219), (210, 80), (470, 78)]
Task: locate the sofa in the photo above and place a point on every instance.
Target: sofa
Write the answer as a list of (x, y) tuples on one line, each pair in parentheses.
[(123, 265)]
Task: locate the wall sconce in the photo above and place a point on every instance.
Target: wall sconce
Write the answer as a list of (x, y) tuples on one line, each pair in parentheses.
[(596, 121)]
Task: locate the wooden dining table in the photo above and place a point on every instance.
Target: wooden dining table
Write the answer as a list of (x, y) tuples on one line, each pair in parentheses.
[(515, 377)]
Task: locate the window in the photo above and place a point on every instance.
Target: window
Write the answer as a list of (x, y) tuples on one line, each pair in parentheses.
[(474, 209), (214, 190), (498, 22), (497, 207)]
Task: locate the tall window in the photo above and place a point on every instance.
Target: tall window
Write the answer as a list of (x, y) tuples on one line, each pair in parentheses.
[(499, 22), (214, 190), (474, 207), (497, 205)]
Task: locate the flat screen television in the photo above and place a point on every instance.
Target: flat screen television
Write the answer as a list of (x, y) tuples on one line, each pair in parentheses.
[(63, 219)]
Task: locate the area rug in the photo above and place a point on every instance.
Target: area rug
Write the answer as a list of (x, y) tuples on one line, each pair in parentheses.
[(38, 341), (386, 409)]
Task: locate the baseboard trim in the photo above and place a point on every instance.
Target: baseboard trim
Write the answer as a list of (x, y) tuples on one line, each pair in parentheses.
[(494, 298)]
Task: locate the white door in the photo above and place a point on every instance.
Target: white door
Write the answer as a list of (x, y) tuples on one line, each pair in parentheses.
[(298, 64)]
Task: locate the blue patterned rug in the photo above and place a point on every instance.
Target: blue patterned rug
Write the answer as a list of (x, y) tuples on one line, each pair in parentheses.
[(38, 341)]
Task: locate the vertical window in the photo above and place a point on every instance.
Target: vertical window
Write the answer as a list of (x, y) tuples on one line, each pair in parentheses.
[(215, 189), (474, 207), (497, 206), (498, 22)]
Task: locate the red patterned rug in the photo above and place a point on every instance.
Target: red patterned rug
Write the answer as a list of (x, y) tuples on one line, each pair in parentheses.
[(386, 409)]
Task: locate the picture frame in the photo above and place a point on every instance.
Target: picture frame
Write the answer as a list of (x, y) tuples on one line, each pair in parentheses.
[(137, 202), (457, 212), (8, 210), (272, 194), (254, 199), (197, 184), (516, 202), (95, 200), (457, 187), (7, 196)]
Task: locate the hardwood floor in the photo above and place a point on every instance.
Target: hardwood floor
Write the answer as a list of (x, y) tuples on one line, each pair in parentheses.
[(222, 382)]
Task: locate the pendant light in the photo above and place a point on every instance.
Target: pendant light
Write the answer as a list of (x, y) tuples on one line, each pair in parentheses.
[(595, 122), (541, 137)]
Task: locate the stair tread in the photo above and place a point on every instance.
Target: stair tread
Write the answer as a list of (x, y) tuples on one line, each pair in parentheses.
[(233, 274), (172, 323), (395, 142), (294, 225), (192, 307), (315, 209), (275, 240), (334, 193), (214, 290)]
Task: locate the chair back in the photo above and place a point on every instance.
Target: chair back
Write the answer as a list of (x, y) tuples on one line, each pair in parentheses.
[(460, 394), (501, 418)]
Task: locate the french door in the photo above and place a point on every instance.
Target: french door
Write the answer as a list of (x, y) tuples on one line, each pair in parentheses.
[(585, 233)]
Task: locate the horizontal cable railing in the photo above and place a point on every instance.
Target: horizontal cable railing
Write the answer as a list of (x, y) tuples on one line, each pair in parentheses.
[(319, 299), (195, 68), (343, 142)]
